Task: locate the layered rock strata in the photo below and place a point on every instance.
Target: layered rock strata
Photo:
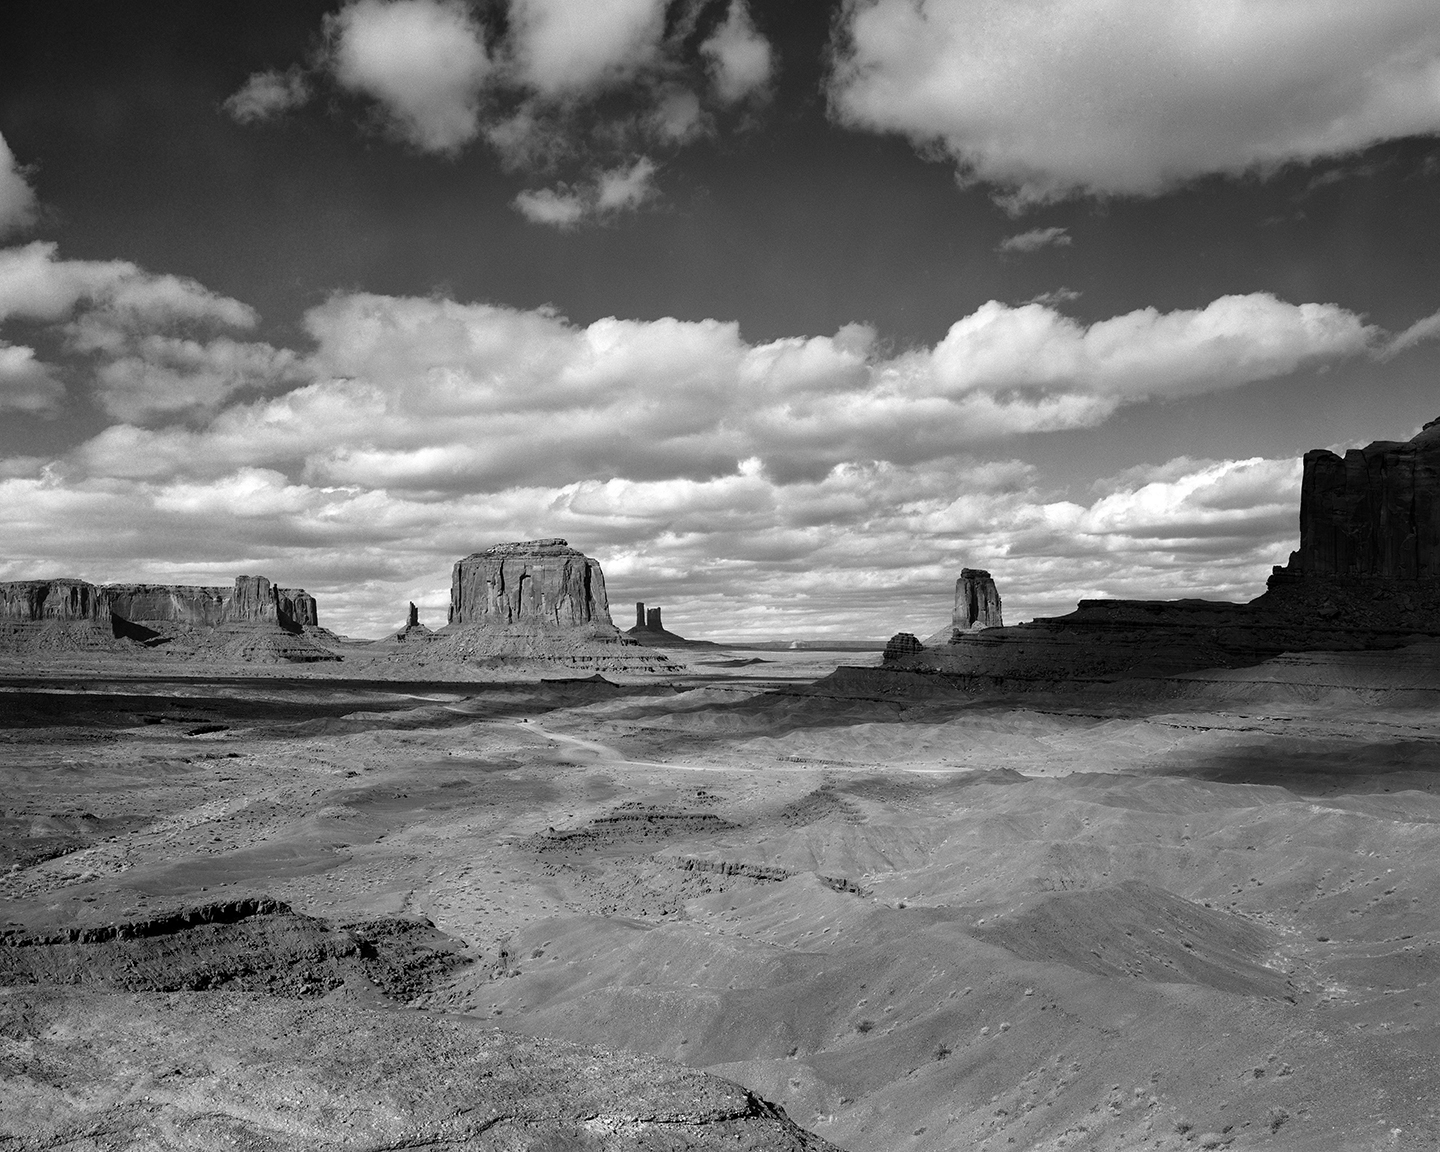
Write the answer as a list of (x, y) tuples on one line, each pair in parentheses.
[(1366, 576)]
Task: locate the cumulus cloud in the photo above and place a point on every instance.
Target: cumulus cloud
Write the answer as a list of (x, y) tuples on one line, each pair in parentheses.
[(1128, 97), (266, 95), (430, 395), (741, 60), (18, 206), (423, 61), (618, 190), (1035, 239), (144, 335), (564, 48)]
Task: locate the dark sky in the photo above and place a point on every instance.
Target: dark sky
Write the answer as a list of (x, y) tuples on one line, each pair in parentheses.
[(805, 204)]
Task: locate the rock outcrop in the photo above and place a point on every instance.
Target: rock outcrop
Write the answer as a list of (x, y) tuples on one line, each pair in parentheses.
[(1366, 576), (650, 630), (538, 601), (413, 629), (253, 620), (1373, 513), (542, 584), (977, 606)]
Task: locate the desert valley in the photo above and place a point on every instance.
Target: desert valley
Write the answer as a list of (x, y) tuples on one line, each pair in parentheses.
[(1148, 876)]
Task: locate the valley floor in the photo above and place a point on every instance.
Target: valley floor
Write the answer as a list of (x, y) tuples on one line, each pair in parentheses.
[(945, 922)]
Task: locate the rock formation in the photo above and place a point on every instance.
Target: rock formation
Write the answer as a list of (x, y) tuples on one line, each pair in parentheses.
[(413, 629), (87, 616), (977, 605), (542, 584), (650, 630), (1374, 513), (537, 601), (1366, 576)]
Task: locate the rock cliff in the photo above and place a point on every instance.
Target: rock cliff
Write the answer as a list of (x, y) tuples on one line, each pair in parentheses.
[(1373, 513), (249, 618), (1366, 576)]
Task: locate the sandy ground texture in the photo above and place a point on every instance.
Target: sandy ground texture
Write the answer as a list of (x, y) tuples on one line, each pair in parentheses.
[(915, 919)]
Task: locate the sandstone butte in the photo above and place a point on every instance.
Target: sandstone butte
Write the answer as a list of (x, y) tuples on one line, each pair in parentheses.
[(1366, 576), (536, 600)]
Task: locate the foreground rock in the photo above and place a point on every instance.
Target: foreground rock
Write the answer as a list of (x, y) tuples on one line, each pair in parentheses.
[(231, 1070), (536, 601), (1365, 577), (253, 621)]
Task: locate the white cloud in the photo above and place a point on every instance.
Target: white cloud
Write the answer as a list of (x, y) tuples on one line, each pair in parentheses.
[(1035, 239), (266, 95), (1130, 97), (618, 190), (430, 395), (1426, 328), (27, 385), (35, 285), (18, 206), (741, 60), (423, 61), (557, 207), (570, 47)]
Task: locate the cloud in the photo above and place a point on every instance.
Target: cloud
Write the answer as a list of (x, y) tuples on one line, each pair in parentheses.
[(429, 395), (18, 206), (140, 334), (1127, 97), (26, 385), (618, 190), (266, 95), (564, 48), (741, 60), (1426, 328), (422, 61), (1035, 239)]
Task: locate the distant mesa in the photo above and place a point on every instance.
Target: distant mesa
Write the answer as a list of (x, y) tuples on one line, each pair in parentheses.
[(537, 600), (253, 621), (1365, 577)]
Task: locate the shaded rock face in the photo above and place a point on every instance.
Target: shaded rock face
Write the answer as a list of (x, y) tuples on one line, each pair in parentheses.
[(900, 645), (541, 584), (35, 600), (1373, 513)]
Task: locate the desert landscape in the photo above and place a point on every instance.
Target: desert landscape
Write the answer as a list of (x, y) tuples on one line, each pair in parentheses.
[(523, 882), (713, 575)]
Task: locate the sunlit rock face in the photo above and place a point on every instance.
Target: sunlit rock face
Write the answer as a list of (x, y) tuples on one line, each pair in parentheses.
[(33, 601), (977, 606), (543, 584), (1373, 512)]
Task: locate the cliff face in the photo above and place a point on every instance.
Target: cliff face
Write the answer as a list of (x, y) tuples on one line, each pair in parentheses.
[(249, 620), (539, 584), (1374, 512)]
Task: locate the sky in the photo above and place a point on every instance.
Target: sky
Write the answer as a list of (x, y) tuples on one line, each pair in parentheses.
[(784, 311)]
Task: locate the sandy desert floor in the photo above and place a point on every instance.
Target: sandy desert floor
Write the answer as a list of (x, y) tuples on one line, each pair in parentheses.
[(928, 922)]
